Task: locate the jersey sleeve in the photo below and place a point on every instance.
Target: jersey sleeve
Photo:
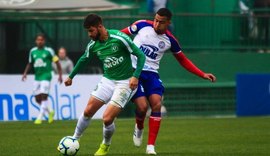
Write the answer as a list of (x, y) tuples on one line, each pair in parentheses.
[(138, 25), (140, 60), (175, 46), (84, 59), (134, 50)]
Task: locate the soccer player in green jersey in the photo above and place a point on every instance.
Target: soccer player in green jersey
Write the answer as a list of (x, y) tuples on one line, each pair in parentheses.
[(119, 81), (41, 58)]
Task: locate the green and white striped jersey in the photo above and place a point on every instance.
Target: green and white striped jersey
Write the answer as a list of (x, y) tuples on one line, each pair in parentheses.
[(115, 55)]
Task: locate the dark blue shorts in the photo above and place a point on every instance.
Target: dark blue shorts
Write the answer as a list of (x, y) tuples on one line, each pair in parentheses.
[(149, 83)]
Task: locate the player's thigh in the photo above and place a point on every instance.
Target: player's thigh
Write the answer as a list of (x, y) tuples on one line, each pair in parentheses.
[(141, 103), (155, 102), (45, 87), (104, 90), (122, 93), (93, 106), (36, 88), (110, 114)]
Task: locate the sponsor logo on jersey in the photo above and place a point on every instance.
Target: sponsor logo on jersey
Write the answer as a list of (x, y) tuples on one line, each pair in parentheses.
[(149, 50), (110, 62), (39, 63)]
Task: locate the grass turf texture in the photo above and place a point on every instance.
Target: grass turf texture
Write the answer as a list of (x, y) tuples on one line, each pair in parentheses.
[(178, 136)]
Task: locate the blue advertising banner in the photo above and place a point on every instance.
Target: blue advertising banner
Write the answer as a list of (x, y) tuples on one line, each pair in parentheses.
[(253, 94)]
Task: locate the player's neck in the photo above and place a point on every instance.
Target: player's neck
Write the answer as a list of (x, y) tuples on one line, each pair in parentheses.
[(40, 47), (104, 35)]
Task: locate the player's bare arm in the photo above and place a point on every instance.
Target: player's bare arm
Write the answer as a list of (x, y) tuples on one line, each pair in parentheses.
[(188, 65), (133, 83), (68, 82), (59, 69), (27, 68)]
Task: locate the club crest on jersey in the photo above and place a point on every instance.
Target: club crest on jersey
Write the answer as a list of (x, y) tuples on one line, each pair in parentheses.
[(114, 48), (161, 44), (149, 50), (110, 62)]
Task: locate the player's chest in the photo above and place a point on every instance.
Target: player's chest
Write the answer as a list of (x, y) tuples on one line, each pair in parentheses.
[(158, 42), (41, 55), (107, 49)]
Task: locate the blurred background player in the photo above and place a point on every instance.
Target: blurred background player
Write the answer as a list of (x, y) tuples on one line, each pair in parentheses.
[(65, 62), (41, 58), (119, 81), (153, 38)]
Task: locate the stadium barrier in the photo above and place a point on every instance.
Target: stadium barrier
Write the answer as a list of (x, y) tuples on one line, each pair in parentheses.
[(253, 94), (18, 103)]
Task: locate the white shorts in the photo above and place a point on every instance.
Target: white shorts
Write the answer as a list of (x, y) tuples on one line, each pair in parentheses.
[(114, 92), (41, 87)]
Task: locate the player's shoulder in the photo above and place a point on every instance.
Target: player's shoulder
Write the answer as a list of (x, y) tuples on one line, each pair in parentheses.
[(48, 48), (117, 34), (140, 24), (143, 22), (33, 49), (170, 35)]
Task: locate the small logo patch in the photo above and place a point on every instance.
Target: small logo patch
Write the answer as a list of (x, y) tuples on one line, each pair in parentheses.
[(134, 28), (161, 44)]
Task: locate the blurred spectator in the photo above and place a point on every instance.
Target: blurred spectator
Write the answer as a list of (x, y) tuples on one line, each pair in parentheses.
[(154, 5), (261, 10), (66, 64), (247, 22)]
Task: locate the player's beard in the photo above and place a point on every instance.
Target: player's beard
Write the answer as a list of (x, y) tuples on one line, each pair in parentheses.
[(96, 37), (158, 31)]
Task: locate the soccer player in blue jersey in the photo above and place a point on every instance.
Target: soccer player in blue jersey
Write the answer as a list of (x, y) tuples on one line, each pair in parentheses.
[(154, 38), (119, 81)]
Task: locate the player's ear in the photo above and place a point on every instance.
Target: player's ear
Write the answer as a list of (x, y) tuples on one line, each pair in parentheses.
[(99, 26)]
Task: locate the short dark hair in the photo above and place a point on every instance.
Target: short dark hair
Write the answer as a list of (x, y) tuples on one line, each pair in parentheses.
[(41, 35), (165, 12), (92, 20)]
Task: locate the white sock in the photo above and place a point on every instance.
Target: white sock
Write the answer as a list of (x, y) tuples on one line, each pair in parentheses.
[(41, 113), (45, 105), (107, 133), (82, 124)]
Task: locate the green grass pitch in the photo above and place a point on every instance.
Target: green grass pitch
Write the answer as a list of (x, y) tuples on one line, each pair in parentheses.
[(249, 136)]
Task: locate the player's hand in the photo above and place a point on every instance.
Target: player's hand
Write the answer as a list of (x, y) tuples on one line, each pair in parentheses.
[(210, 77), (68, 82), (133, 83), (24, 77)]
